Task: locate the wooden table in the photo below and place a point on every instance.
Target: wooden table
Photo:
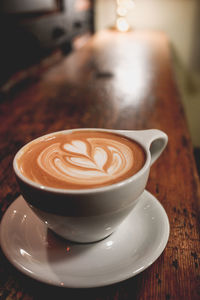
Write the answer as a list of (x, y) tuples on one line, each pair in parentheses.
[(120, 81)]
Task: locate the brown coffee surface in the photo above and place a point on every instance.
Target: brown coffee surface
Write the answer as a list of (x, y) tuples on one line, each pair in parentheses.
[(81, 159)]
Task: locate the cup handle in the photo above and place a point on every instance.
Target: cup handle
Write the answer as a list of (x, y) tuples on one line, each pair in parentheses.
[(156, 141), (153, 140)]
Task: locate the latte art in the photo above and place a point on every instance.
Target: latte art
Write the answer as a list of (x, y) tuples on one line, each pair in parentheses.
[(91, 161), (81, 160)]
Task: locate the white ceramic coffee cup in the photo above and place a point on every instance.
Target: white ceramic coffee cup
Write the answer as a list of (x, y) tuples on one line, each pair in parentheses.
[(89, 215)]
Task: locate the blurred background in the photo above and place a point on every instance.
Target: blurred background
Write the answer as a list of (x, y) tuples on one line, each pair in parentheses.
[(180, 20), (35, 34)]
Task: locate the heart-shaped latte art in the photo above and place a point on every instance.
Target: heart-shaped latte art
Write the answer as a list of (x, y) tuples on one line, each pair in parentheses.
[(97, 162), (77, 147), (89, 161), (81, 159)]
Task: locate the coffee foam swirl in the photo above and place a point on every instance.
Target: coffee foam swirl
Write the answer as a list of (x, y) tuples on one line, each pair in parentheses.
[(81, 159), (90, 161)]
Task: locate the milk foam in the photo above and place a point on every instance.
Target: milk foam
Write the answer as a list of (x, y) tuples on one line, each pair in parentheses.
[(91, 161), (81, 160)]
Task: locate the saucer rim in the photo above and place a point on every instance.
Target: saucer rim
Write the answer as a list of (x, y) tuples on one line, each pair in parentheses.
[(154, 257)]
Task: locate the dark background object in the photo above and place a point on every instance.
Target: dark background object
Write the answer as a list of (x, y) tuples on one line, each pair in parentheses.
[(30, 35)]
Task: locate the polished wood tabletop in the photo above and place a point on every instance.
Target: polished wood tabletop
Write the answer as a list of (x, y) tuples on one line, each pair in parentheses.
[(119, 81)]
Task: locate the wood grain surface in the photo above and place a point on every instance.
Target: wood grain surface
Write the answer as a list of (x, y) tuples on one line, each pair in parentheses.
[(119, 81)]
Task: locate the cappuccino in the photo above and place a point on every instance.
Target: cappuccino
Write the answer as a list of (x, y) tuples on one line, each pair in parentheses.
[(81, 159)]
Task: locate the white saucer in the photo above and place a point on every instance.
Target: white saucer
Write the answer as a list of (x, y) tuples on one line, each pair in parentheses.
[(42, 255)]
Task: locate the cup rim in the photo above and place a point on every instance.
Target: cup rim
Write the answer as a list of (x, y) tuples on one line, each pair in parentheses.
[(81, 191)]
